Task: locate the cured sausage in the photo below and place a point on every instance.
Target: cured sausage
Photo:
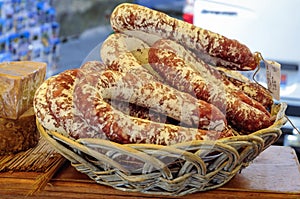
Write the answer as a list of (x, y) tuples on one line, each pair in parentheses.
[(53, 105), (161, 98), (142, 112), (254, 90), (116, 52), (181, 75), (90, 93), (130, 108), (119, 52), (59, 96), (93, 66), (78, 96), (54, 100), (42, 109), (215, 76), (214, 48)]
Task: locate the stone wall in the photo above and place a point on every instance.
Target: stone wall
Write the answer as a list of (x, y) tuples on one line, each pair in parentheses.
[(75, 16)]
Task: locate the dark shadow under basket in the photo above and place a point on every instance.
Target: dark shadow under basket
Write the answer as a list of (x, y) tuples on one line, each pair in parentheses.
[(166, 170)]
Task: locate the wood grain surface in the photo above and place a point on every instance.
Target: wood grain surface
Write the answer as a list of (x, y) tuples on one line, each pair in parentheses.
[(274, 174)]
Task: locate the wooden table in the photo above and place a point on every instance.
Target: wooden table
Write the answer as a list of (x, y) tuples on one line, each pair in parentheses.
[(274, 174)]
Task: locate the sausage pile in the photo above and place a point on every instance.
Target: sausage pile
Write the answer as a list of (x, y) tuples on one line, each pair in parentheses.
[(158, 83)]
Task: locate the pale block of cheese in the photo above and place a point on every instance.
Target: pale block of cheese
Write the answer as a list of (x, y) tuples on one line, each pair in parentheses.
[(18, 135), (18, 83)]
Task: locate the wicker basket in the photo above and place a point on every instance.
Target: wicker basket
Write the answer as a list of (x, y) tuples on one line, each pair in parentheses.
[(167, 170)]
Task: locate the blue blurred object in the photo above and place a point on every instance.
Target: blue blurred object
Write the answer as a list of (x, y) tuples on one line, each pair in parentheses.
[(28, 31), (167, 6), (5, 57)]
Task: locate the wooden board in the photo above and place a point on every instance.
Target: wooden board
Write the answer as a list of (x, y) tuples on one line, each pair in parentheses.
[(274, 174), (29, 171)]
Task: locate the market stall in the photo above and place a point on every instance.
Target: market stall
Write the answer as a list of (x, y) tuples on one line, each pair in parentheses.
[(162, 112)]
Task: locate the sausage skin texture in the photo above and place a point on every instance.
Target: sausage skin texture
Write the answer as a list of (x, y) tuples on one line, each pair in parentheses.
[(215, 76), (181, 75), (161, 98), (217, 49), (42, 109), (255, 91), (117, 52), (54, 108), (130, 108), (87, 107), (90, 93)]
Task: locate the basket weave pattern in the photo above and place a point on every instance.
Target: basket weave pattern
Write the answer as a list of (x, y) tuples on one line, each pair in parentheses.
[(167, 170)]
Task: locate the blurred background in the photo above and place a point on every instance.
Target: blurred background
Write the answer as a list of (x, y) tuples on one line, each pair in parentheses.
[(61, 33), (66, 33)]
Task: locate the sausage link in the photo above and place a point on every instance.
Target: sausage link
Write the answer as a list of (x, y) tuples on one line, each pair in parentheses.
[(254, 90), (93, 66), (53, 104), (116, 50), (89, 102), (138, 20), (42, 109), (215, 76), (161, 98), (142, 112), (181, 75)]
